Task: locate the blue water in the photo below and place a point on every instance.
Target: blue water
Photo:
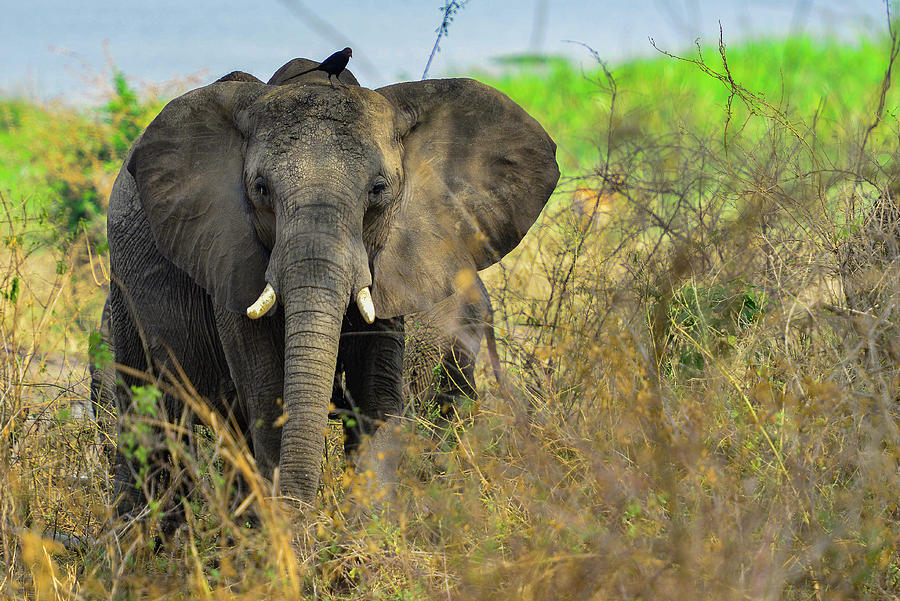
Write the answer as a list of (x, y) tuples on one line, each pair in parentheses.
[(65, 48)]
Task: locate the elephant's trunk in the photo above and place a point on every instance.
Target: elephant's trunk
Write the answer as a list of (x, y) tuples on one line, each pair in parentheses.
[(318, 265), (315, 298)]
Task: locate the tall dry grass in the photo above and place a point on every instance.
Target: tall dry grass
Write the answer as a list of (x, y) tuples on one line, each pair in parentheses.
[(700, 348)]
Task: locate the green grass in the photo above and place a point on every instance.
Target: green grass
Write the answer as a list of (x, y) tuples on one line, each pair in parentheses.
[(20, 162), (63, 160), (801, 77)]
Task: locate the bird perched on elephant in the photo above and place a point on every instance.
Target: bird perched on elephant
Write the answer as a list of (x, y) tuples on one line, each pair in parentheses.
[(334, 65), (267, 239)]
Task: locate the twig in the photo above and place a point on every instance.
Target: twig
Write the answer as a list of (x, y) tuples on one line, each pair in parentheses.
[(450, 9), (755, 104), (885, 83)]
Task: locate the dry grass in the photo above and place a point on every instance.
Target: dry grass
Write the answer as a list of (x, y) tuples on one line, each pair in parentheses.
[(700, 341)]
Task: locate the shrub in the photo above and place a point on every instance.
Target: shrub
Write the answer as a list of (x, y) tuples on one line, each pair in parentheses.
[(69, 157)]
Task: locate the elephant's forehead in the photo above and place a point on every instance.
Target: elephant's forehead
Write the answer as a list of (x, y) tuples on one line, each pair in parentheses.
[(314, 125), (321, 108)]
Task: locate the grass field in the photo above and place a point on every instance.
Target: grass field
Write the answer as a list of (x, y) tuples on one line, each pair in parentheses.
[(700, 340)]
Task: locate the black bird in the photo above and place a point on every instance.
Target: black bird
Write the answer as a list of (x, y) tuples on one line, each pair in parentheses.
[(333, 65)]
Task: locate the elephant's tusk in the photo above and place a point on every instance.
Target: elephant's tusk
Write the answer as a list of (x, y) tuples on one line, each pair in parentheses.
[(262, 305), (366, 307)]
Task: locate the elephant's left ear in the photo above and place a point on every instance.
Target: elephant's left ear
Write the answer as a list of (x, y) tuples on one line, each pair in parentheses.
[(477, 170)]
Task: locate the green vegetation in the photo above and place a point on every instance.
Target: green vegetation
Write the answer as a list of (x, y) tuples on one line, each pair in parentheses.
[(63, 161), (699, 338), (832, 84)]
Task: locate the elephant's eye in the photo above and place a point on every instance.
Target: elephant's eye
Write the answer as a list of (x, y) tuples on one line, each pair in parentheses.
[(379, 187), (261, 189)]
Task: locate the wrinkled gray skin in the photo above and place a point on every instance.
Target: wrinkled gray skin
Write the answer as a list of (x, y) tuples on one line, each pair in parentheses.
[(320, 192)]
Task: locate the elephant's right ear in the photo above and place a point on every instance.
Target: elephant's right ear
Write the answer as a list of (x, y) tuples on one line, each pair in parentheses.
[(188, 166)]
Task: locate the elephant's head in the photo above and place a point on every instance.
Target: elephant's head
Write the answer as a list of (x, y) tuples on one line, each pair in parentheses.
[(324, 192)]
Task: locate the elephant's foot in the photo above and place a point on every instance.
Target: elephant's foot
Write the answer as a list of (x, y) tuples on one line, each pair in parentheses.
[(377, 464)]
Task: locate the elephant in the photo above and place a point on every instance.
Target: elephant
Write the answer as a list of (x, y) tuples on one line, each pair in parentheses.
[(267, 240)]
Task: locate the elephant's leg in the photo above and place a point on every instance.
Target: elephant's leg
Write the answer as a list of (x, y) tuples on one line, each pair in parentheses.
[(457, 377), (254, 350), (127, 468), (163, 339), (463, 341), (372, 359), (103, 386), (145, 474)]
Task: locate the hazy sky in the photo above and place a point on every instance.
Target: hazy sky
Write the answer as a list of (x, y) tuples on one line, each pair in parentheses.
[(59, 47)]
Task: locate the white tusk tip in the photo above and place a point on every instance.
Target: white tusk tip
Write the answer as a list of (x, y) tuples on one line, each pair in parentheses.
[(365, 305), (263, 304)]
